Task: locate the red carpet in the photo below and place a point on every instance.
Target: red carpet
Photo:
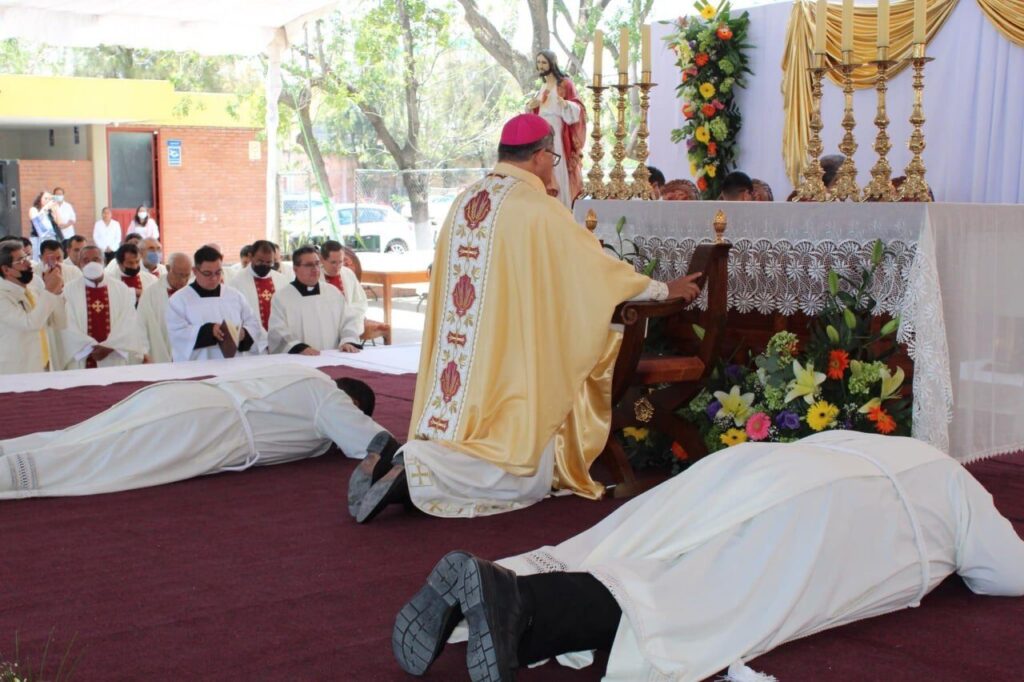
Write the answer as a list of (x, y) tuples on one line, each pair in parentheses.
[(262, 575)]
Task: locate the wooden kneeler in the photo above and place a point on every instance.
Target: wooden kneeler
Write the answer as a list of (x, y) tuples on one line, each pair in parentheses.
[(680, 376)]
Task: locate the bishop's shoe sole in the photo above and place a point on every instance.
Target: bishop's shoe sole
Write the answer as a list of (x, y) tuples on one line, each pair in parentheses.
[(425, 623)]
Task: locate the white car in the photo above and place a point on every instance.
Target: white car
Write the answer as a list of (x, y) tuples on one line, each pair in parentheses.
[(381, 228)]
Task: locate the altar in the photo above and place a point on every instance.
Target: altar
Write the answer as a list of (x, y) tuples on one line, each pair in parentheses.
[(952, 273)]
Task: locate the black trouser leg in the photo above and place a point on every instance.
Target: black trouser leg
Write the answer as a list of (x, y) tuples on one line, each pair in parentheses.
[(567, 612)]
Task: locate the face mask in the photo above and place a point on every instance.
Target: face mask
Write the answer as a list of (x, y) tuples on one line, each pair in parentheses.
[(59, 198), (130, 272), (153, 257), (261, 270), (93, 271), (142, 216), (25, 276)]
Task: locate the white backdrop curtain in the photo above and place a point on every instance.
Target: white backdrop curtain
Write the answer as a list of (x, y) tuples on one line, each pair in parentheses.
[(974, 103)]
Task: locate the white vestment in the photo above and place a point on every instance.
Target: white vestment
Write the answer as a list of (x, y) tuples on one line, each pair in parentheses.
[(188, 312), (23, 327), (152, 318), (159, 271), (445, 482), (245, 282), (354, 294), (124, 339), (559, 116), (320, 320), (761, 544), (177, 430)]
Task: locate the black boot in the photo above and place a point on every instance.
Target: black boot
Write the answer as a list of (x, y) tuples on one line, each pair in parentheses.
[(490, 601), (392, 488), (426, 622), (379, 454)]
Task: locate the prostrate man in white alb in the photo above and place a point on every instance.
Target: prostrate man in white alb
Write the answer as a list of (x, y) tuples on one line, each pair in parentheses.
[(308, 316), (196, 313), (26, 316), (102, 329), (259, 282), (757, 546), (153, 306), (176, 430)]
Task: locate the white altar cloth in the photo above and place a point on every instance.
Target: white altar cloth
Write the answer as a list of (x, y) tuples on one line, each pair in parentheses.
[(954, 276), (400, 359)]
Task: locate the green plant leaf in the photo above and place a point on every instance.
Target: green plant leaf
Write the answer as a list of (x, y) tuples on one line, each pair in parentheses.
[(699, 331)]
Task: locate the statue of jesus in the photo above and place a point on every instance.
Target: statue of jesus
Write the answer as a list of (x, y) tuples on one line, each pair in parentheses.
[(560, 106)]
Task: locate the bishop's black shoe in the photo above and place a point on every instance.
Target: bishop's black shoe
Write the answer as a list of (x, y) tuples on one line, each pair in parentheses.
[(496, 615), (392, 488), (379, 454), (426, 622)]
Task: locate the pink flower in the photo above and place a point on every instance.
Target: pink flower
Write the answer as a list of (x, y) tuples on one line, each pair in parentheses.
[(717, 105), (758, 425)]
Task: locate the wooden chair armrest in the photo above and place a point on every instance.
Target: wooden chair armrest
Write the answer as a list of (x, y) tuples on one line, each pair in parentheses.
[(631, 312)]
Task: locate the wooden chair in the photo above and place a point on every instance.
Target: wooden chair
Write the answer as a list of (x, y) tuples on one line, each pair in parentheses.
[(647, 390)]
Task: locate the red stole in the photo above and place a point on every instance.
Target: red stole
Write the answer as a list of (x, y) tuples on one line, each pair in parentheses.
[(133, 283), (97, 309), (336, 281), (264, 292)]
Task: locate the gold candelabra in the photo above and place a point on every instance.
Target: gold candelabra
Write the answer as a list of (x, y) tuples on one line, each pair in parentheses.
[(914, 187), (641, 176), (846, 181), (617, 187), (880, 187), (812, 188), (595, 187)]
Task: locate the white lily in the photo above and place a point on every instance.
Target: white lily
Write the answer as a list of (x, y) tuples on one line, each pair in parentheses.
[(735, 404)]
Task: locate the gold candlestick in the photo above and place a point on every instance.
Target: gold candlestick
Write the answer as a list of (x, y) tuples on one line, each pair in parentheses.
[(880, 187), (617, 188), (915, 188), (641, 176), (812, 188), (595, 187), (846, 181)]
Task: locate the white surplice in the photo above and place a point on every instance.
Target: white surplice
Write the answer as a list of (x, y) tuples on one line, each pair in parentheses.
[(761, 544), (152, 318), (353, 292), (177, 430), (125, 337), (24, 325), (321, 320), (187, 312), (558, 116)]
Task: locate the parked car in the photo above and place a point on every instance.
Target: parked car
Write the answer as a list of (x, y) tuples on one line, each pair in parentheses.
[(380, 228)]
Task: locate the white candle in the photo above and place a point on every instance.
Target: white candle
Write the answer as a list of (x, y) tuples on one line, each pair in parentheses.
[(623, 50), (645, 48), (598, 56), (847, 43), (920, 21), (820, 26), (883, 23)]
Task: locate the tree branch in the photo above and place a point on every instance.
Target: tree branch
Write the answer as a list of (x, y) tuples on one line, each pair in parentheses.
[(490, 38)]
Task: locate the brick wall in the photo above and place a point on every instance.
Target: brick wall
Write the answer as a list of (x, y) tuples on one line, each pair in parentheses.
[(216, 195), (76, 177)]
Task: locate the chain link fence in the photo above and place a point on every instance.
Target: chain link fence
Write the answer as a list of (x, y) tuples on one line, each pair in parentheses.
[(379, 214)]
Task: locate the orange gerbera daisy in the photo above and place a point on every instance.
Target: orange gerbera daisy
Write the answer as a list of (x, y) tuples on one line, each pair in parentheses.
[(679, 453), (885, 423), (875, 412), (838, 361)]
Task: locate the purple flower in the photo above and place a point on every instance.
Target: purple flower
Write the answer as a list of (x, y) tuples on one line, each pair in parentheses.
[(690, 144), (693, 44), (734, 373), (787, 419), (712, 409)]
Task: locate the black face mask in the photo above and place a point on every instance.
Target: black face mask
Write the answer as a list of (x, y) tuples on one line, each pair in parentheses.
[(261, 270), (25, 276), (130, 272)]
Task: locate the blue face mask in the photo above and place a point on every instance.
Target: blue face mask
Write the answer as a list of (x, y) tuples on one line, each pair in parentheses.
[(59, 198), (153, 257)]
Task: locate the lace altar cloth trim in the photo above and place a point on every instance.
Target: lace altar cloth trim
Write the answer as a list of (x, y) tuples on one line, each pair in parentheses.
[(779, 275)]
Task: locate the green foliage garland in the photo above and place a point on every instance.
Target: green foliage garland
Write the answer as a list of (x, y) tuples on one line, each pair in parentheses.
[(711, 52)]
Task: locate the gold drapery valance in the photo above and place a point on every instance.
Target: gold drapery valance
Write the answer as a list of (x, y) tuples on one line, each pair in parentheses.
[(1007, 16), (796, 81)]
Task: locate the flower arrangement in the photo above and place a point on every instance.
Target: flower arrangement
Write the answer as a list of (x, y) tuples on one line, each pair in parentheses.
[(711, 55), (840, 381)]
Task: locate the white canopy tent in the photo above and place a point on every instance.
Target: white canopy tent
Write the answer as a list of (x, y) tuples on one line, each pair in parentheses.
[(210, 27)]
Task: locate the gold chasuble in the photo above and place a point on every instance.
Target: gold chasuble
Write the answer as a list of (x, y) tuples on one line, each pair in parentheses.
[(517, 346)]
